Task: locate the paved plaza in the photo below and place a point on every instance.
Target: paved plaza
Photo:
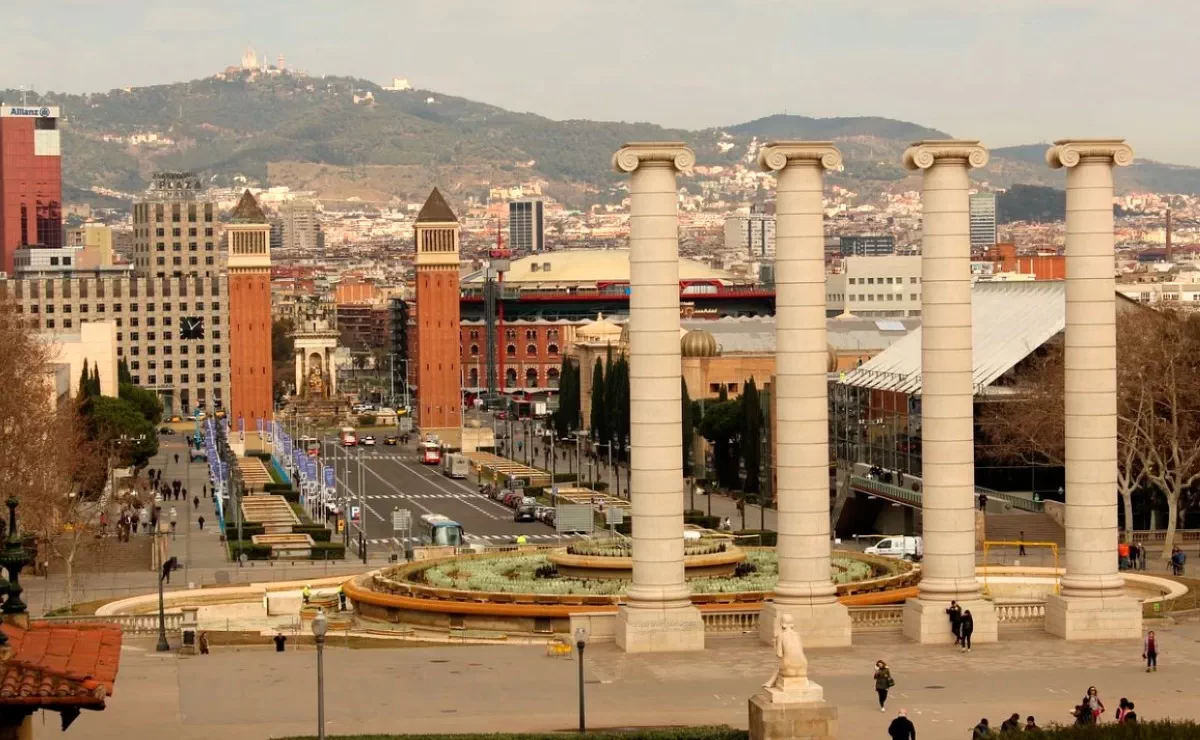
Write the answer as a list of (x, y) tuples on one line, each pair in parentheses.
[(244, 693)]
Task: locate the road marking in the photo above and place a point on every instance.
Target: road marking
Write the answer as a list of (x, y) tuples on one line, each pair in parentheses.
[(437, 485), (397, 490)]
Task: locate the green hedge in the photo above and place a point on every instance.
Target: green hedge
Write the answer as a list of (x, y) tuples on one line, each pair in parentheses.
[(264, 456), (765, 537), (328, 551), (599, 485), (252, 551), (276, 487), (249, 529), (300, 513), (316, 531), (700, 519), (565, 477), (673, 733), (1112, 731)]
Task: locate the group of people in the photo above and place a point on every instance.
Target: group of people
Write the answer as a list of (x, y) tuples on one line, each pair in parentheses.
[(962, 626), (1010, 726), (1090, 710), (1178, 559), (1131, 556)]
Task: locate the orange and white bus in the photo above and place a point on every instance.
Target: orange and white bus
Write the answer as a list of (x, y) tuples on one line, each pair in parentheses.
[(431, 453), (348, 437)]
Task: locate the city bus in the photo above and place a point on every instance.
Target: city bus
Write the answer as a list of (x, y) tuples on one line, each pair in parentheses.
[(431, 453), (348, 437), (439, 531)]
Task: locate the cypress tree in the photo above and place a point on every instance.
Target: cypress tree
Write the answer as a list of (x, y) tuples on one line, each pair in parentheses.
[(123, 374), (751, 435), (599, 416), (689, 426), (85, 383)]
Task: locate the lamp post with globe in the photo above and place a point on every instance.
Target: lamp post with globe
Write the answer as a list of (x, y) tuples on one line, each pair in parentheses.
[(320, 625)]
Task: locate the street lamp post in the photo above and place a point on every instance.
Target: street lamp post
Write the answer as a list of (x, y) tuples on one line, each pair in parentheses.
[(163, 646), (320, 625), (581, 638)]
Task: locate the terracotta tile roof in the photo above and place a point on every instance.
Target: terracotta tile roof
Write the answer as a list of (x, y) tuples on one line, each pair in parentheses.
[(51, 665), (436, 210)]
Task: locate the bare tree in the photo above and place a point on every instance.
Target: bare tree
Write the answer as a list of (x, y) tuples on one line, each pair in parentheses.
[(49, 463), (1028, 426)]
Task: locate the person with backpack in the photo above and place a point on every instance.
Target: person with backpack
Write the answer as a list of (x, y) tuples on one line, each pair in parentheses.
[(883, 683)]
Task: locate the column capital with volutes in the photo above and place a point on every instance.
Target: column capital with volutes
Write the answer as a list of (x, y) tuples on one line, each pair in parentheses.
[(1070, 152), (777, 155), (924, 154), (636, 153)]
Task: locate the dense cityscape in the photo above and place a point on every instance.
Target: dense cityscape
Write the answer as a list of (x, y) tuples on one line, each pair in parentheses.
[(850, 405)]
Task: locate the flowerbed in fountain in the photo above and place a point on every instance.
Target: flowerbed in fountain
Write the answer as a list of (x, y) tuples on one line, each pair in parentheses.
[(532, 573)]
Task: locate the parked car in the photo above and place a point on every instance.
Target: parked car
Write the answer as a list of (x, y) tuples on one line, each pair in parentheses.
[(391, 440), (512, 499), (166, 430), (368, 440), (524, 513), (175, 419)]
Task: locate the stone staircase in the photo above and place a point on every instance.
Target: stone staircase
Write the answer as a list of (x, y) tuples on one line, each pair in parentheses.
[(107, 555), (1037, 528)]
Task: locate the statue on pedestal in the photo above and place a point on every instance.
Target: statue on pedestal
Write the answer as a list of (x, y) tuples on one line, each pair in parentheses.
[(789, 683), (316, 382)]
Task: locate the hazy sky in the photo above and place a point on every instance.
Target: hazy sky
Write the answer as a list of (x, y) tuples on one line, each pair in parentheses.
[(1005, 71)]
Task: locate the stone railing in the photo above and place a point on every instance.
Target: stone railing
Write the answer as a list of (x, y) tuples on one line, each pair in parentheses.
[(906, 495), (136, 624), (1156, 536), (1013, 614), (876, 618), (737, 622)]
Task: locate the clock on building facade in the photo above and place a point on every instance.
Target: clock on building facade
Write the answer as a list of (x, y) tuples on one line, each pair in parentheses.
[(191, 327)]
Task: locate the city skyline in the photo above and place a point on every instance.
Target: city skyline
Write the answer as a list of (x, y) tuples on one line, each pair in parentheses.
[(1064, 81)]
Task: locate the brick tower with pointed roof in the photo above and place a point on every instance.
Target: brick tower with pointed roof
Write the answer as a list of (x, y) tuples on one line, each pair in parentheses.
[(248, 242), (438, 375)]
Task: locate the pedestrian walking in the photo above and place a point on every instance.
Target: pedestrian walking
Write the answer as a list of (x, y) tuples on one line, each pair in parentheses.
[(955, 613), (965, 628), (883, 682), (306, 593), (1012, 724), (280, 641), (201, 520), (204, 643), (1150, 652), (342, 597), (1092, 703), (1021, 544), (981, 731), (983, 502), (195, 503), (176, 458), (1123, 556), (144, 516), (174, 521), (902, 727)]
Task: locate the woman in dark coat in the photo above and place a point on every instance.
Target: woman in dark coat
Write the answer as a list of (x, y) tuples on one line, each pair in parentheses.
[(965, 628)]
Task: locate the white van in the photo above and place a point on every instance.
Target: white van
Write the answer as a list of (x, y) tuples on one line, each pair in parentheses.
[(455, 465), (898, 546)]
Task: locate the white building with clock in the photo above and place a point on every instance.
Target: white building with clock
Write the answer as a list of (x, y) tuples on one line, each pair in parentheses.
[(172, 332)]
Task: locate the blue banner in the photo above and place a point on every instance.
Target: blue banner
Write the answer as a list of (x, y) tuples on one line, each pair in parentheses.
[(330, 482)]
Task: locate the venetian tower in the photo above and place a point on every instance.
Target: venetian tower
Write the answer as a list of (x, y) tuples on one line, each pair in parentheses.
[(248, 242), (439, 377)]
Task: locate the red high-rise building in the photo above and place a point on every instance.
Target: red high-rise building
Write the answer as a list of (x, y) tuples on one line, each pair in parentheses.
[(439, 372), (30, 180)]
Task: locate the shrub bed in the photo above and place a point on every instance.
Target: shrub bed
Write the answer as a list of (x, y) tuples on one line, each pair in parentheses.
[(276, 487), (565, 477), (328, 551), (251, 550), (316, 531), (758, 537)]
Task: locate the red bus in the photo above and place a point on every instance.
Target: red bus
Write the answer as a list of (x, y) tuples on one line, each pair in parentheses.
[(431, 453)]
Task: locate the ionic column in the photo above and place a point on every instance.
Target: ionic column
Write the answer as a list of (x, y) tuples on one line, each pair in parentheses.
[(947, 395), (805, 589), (658, 615), (331, 372), (1093, 604), (299, 372)]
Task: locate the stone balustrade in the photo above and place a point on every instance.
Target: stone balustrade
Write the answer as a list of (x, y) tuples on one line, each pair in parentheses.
[(876, 618), (134, 624), (731, 622), (1031, 614)]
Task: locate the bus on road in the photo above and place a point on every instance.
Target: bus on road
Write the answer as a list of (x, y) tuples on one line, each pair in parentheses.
[(348, 437), (431, 453), (439, 531)]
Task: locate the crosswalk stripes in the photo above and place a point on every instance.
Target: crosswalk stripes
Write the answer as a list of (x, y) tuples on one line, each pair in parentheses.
[(376, 496), (476, 538)]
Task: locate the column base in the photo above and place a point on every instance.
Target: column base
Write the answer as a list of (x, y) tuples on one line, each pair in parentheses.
[(771, 720), (1104, 618), (926, 622), (671, 630), (819, 625)]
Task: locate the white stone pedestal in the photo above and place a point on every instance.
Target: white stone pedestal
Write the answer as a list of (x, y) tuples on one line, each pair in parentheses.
[(819, 625), (771, 719), (1104, 618), (926, 622), (668, 630)]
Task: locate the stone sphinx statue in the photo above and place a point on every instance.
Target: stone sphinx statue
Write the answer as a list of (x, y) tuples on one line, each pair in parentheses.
[(789, 682)]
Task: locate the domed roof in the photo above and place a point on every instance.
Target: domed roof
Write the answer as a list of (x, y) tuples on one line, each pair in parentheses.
[(698, 343), (600, 330)]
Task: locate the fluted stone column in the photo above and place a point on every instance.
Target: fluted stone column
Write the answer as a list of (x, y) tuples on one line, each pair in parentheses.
[(299, 371), (805, 589), (1093, 603), (947, 396), (658, 615), (331, 368)]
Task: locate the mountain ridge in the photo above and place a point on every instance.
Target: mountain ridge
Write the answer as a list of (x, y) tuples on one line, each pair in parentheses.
[(349, 138)]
